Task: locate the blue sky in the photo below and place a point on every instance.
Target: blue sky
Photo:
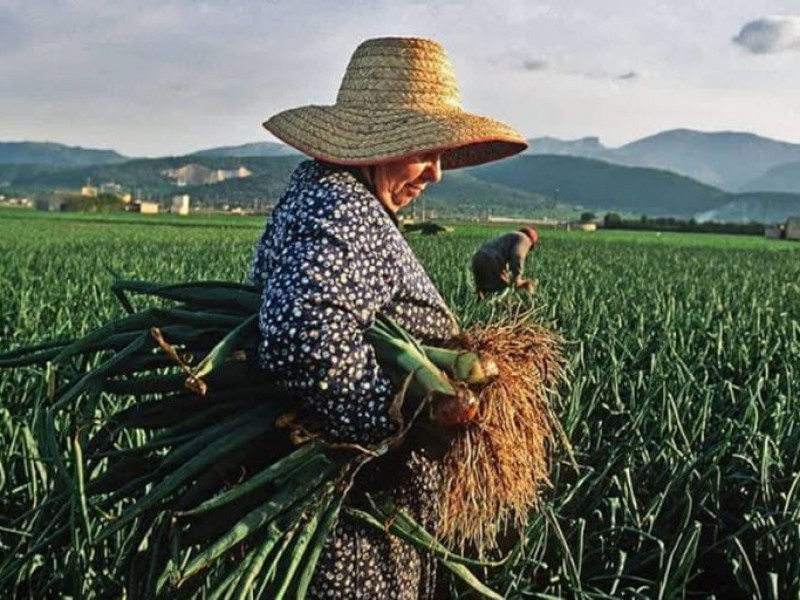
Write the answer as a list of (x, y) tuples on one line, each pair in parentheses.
[(151, 78)]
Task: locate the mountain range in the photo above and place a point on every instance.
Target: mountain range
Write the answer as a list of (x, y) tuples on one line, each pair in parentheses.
[(731, 161), (724, 176), (52, 154), (254, 149)]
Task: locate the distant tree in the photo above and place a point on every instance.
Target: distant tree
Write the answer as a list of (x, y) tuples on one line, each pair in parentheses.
[(588, 216), (99, 203), (109, 203), (612, 220)]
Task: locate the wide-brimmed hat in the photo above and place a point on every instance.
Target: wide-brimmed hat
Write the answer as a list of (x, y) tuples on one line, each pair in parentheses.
[(398, 98)]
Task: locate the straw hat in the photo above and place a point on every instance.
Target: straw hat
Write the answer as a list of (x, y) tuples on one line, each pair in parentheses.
[(398, 98)]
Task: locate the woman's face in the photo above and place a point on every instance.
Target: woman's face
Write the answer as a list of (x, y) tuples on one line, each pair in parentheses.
[(398, 183)]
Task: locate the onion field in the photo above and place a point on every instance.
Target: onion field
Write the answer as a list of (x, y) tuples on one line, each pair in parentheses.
[(680, 401)]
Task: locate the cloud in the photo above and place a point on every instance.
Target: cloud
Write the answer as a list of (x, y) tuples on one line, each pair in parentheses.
[(576, 70), (770, 34), (535, 64)]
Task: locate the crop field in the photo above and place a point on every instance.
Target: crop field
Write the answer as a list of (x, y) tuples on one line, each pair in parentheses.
[(681, 400)]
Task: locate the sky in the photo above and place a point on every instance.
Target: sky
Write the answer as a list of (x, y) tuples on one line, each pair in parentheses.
[(169, 77)]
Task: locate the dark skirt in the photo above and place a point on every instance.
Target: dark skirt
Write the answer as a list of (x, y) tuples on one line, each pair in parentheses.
[(362, 563)]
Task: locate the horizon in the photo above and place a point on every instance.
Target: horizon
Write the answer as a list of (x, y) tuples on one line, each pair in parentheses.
[(150, 78)]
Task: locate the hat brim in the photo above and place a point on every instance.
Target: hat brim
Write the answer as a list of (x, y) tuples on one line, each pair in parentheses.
[(357, 138)]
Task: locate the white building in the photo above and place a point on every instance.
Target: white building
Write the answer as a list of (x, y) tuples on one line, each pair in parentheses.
[(180, 204)]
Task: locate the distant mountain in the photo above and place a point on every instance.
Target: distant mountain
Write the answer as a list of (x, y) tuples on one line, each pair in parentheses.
[(52, 154), (725, 159), (151, 176), (728, 160), (783, 178), (254, 149), (588, 147), (602, 186), (731, 161)]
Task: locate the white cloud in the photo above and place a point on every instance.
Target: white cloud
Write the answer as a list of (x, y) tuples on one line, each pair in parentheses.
[(566, 68), (535, 64), (770, 34)]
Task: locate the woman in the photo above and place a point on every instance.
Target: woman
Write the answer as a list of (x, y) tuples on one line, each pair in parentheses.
[(332, 257)]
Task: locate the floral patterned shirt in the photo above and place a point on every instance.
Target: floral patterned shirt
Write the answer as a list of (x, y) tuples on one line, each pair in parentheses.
[(330, 258)]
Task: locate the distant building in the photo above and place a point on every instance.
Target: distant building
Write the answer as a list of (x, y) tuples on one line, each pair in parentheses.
[(774, 233), (193, 174), (89, 191), (792, 230), (111, 188), (145, 208), (180, 204)]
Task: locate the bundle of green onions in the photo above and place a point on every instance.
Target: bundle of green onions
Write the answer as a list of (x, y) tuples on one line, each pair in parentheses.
[(170, 468)]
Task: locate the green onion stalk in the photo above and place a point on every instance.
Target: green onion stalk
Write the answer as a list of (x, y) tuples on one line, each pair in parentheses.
[(170, 461)]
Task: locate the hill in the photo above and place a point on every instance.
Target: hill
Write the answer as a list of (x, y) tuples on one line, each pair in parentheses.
[(725, 159), (728, 160), (52, 154), (255, 149), (601, 186), (153, 176), (783, 178), (528, 186), (587, 147), (460, 194), (731, 161)]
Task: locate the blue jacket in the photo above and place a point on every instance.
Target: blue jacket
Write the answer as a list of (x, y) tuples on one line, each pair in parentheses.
[(330, 258)]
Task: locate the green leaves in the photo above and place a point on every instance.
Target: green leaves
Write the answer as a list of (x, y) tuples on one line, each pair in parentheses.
[(684, 362), (182, 480)]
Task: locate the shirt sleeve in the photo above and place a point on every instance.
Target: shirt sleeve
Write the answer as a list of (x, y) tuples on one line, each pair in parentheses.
[(329, 282)]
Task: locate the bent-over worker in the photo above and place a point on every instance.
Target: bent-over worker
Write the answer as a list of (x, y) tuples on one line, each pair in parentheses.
[(500, 262)]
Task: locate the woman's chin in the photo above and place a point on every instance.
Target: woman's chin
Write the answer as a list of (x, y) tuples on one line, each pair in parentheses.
[(403, 202)]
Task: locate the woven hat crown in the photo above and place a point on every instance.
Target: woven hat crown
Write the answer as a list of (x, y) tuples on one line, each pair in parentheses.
[(398, 98), (399, 73)]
